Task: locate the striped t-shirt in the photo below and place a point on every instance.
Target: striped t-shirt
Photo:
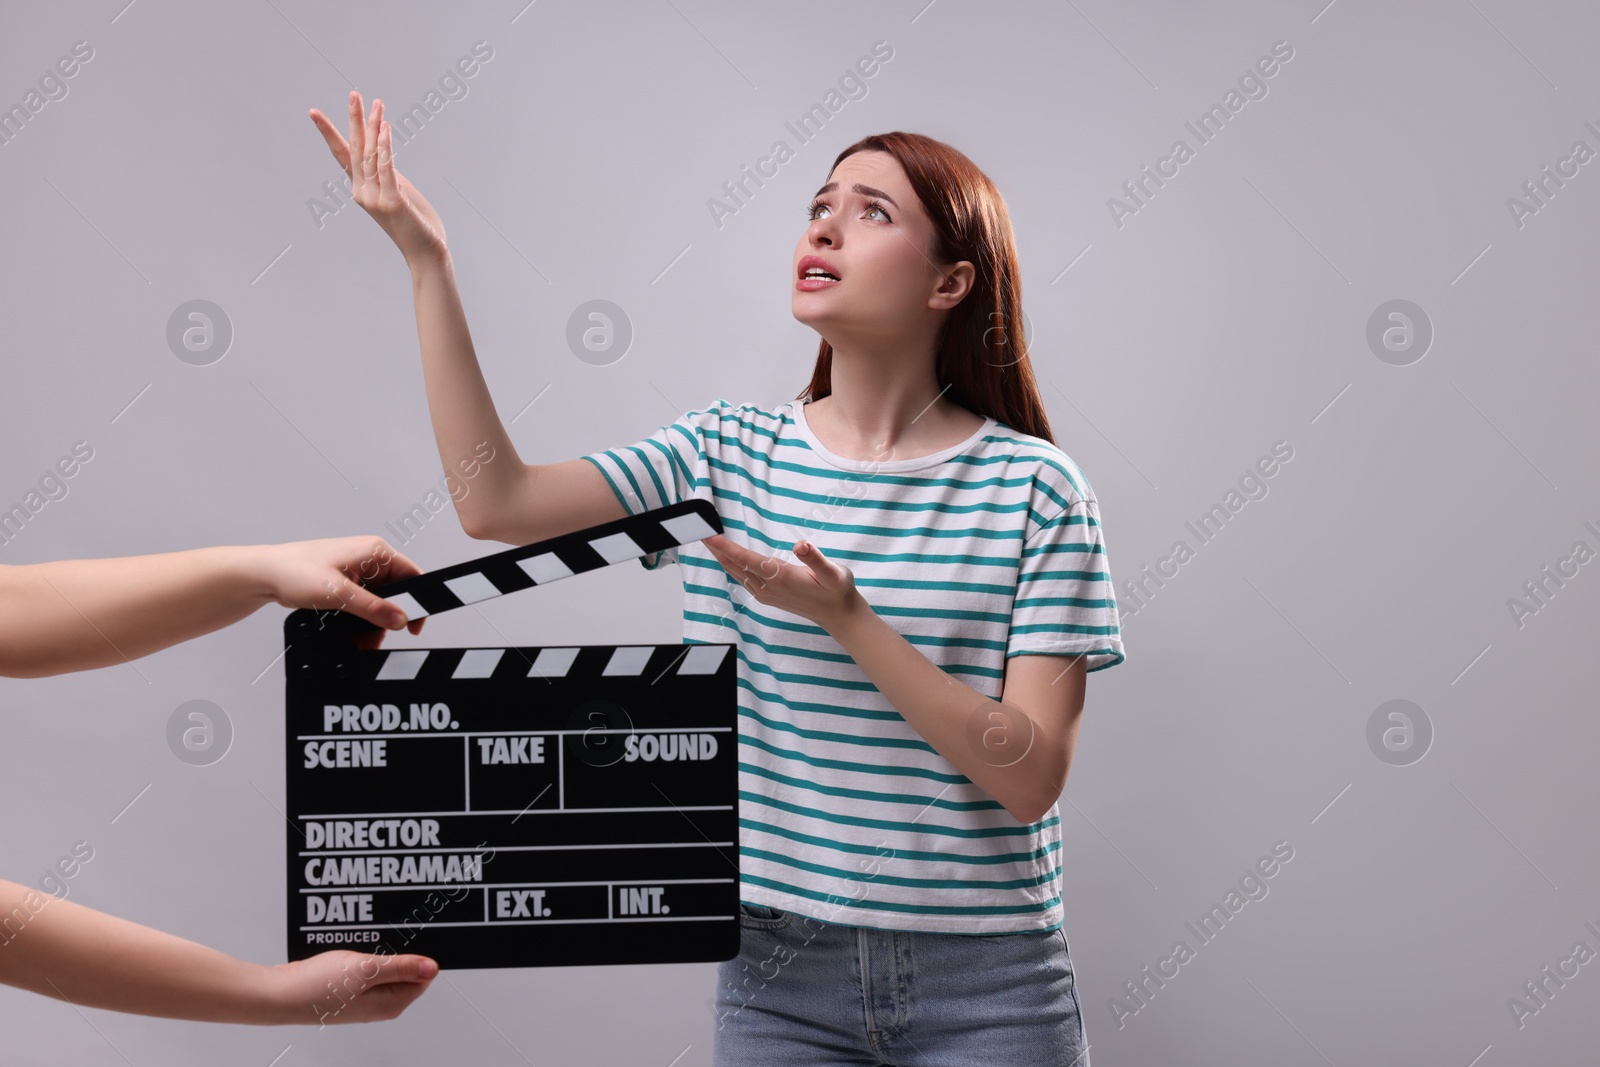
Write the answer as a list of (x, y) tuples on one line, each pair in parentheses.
[(988, 549)]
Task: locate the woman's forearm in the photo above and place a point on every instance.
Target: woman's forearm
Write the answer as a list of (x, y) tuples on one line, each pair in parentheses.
[(74, 615), (463, 413), (942, 709), (959, 722), (67, 951)]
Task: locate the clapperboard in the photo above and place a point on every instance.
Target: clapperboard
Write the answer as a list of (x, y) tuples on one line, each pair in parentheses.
[(514, 807)]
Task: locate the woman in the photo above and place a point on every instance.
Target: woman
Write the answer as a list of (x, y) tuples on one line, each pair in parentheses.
[(910, 690)]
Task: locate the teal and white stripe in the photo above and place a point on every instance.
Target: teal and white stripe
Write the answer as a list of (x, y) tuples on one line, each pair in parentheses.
[(989, 549)]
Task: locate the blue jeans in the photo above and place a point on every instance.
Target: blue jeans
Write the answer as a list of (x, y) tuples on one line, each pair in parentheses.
[(803, 992)]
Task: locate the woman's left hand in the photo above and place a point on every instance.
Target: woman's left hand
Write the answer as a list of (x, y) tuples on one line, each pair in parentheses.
[(821, 590)]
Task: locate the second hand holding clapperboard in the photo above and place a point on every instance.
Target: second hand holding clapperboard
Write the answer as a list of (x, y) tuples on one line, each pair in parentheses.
[(514, 807)]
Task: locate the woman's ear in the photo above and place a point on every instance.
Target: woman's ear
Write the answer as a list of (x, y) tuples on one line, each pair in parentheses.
[(954, 284)]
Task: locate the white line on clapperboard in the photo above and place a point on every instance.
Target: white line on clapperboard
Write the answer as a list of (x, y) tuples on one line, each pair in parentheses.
[(507, 811), (518, 733), (325, 852), (544, 922), (524, 885)]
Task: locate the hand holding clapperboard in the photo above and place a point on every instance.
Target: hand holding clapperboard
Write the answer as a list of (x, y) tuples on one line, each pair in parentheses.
[(514, 807)]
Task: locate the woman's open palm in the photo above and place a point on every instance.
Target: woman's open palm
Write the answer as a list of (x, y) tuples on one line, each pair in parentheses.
[(383, 192)]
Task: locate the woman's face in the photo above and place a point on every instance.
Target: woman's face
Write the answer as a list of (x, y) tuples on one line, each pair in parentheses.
[(870, 232)]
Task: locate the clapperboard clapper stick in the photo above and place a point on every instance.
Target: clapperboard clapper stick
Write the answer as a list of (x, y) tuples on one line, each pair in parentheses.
[(514, 807)]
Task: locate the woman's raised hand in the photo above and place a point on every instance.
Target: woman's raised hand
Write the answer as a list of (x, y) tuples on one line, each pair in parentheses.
[(383, 192)]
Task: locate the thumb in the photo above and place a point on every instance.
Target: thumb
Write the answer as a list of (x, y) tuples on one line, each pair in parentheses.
[(373, 608), (336, 143), (812, 557), (408, 968)]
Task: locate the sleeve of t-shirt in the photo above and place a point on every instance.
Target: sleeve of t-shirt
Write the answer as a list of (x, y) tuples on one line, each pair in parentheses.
[(671, 465), (1065, 604)]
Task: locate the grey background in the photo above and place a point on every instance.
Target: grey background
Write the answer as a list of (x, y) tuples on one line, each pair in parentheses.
[(1229, 313)]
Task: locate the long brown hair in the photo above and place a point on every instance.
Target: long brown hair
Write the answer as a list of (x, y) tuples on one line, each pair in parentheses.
[(982, 349)]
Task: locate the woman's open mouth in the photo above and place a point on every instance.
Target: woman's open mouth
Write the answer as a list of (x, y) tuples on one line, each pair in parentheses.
[(816, 273), (812, 282)]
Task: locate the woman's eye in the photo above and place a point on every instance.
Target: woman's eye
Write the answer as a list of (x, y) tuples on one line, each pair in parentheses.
[(817, 205)]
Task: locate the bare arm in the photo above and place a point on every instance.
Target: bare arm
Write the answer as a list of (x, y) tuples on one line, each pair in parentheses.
[(511, 501), (1018, 749), (78, 614), (75, 615), (64, 950)]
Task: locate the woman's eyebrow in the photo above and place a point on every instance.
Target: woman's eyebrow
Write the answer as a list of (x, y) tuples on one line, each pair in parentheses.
[(864, 190)]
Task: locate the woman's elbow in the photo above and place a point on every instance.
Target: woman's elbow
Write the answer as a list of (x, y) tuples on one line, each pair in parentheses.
[(476, 526), (482, 522), (1028, 814), (1037, 803), (16, 667)]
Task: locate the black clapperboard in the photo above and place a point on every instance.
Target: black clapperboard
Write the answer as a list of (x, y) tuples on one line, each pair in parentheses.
[(514, 807)]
